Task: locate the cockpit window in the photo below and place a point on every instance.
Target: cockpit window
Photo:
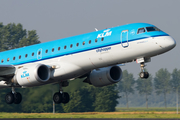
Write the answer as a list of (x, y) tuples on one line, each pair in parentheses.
[(141, 30), (150, 29)]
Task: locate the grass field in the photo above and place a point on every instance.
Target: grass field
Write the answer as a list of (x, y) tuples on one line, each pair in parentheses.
[(141, 109), (120, 113), (93, 115)]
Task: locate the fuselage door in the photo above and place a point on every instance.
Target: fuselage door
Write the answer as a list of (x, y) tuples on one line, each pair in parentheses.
[(124, 38), (39, 54)]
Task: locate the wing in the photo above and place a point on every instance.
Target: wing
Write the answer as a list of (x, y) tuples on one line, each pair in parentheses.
[(6, 72)]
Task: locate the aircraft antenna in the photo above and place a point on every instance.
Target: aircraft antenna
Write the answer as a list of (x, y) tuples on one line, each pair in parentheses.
[(96, 29)]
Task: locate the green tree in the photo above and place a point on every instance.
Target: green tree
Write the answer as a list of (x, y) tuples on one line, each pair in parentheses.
[(30, 39), (81, 101), (126, 85), (89, 98), (175, 83), (14, 36), (144, 87), (81, 97), (162, 83), (106, 98)]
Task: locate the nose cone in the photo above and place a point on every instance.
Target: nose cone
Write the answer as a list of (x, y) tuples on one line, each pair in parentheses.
[(167, 42), (170, 43)]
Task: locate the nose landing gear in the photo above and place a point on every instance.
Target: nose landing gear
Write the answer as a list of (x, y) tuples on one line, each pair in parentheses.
[(143, 74), (142, 62)]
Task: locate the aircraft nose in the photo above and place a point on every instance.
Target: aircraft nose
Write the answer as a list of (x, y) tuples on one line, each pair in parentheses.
[(167, 42), (170, 42)]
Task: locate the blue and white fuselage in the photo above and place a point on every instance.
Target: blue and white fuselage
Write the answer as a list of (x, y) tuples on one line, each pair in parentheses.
[(72, 57)]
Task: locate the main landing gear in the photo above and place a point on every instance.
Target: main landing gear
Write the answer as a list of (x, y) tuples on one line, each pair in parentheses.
[(143, 74), (13, 97), (61, 97)]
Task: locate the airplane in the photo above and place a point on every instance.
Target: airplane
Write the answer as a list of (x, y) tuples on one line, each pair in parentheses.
[(93, 56)]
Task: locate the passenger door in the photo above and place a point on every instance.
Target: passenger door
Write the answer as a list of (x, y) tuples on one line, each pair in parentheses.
[(124, 38)]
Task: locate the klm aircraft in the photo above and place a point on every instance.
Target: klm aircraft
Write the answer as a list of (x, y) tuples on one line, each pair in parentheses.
[(93, 56)]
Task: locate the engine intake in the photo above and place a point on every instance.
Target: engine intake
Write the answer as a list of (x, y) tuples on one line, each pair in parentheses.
[(32, 75), (104, 76), (43, 73)]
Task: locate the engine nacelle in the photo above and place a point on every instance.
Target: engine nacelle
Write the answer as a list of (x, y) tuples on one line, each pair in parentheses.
[(32, 75), (104, 76)]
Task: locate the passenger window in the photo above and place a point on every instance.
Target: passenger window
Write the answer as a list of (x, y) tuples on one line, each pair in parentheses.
[(47, 51), (77, 44), (89, 41), (53, 50), (26, 55), (14, 58), (8, 59), (39, 52), (83, 43), (71, 46), (59, 48), (96, 40), (20, 57), (141, 30), (102, 39), (33, 54), (65, 47), (2, 60)]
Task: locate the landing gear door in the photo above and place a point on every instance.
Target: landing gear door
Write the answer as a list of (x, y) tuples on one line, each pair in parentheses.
[(124, 38)]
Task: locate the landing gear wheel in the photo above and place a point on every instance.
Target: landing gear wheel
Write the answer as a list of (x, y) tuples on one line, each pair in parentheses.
[(65, 97), (57, 98), (17, 98), (9, 98), (144, 75)]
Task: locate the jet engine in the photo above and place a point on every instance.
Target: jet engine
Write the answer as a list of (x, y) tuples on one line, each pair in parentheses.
[(104, 76), (32, 75)]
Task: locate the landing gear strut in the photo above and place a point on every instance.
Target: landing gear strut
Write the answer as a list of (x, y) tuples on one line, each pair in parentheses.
[(61, 97), (143, 74), (13, 97)]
